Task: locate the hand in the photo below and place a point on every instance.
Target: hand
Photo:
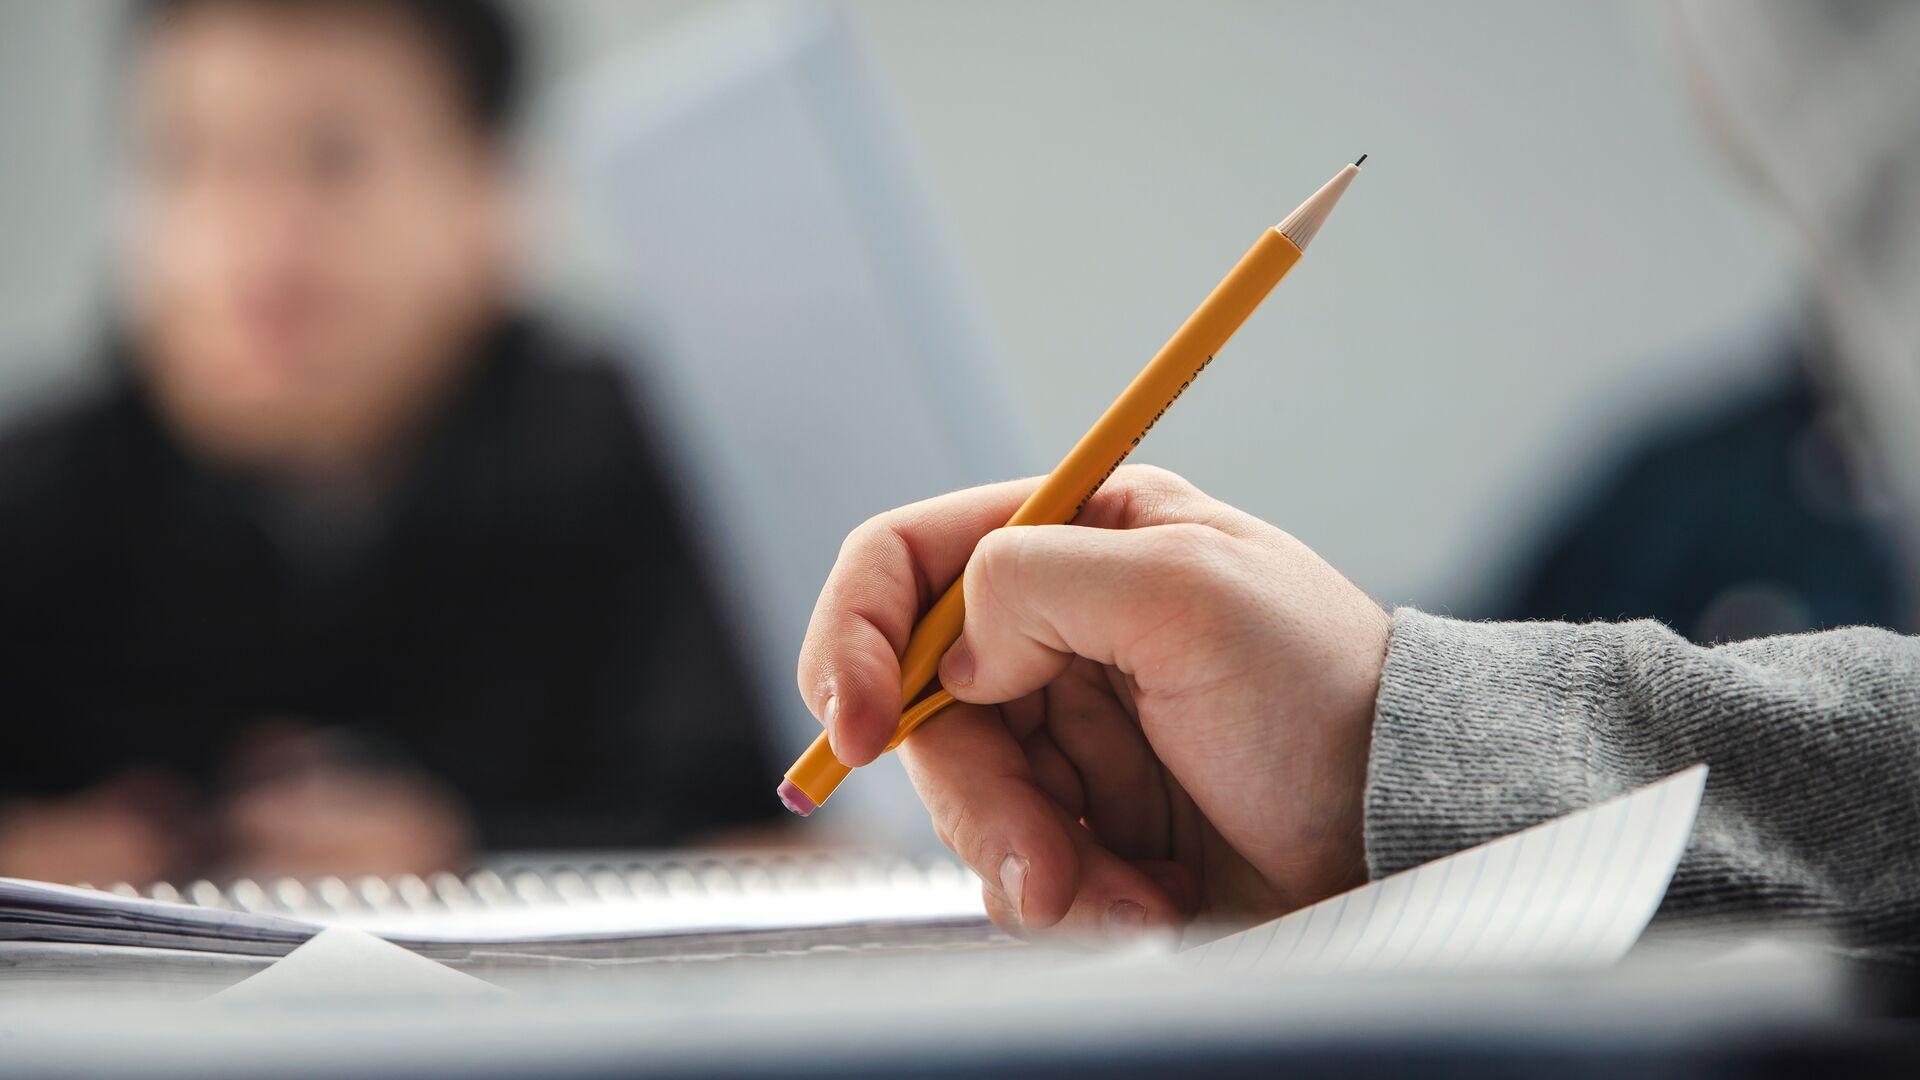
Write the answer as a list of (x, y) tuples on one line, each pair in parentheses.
[(309, 803), (137, 827), (1171, 711)]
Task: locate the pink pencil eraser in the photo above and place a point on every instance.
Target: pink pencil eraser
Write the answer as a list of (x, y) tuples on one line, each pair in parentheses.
[(796, 799)]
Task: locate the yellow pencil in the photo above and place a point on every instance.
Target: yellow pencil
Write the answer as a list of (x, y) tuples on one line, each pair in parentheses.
[(1100, 451)]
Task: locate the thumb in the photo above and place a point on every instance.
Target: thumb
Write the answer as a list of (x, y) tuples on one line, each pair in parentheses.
[(1038, 596)]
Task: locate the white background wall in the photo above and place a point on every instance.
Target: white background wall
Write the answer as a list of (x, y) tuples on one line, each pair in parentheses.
[(1539, 255)]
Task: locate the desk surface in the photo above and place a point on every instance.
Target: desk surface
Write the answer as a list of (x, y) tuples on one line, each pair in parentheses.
[(1024, 1011)]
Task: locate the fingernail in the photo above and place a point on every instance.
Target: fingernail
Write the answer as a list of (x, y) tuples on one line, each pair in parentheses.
[(957, 670), (1125, 919), (1013, 882), (828, 711)]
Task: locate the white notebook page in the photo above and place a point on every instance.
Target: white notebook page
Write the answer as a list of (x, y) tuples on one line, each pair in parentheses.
[(1572, 892)]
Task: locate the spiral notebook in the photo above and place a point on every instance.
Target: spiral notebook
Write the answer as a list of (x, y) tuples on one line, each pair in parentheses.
[(1569, 893), (643, 907)]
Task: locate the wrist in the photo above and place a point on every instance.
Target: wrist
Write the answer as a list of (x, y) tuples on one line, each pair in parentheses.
[(1373, 630)]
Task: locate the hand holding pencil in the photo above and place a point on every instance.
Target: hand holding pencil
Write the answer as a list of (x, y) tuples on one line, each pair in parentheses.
[(1062, 494), (1172, 702)]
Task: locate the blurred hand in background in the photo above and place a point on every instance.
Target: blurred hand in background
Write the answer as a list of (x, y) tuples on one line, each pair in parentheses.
[(305, 803), (293, 801), (138, 826)]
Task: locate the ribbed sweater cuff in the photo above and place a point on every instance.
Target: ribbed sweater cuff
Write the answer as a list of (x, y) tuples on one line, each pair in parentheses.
[(1476, 733)]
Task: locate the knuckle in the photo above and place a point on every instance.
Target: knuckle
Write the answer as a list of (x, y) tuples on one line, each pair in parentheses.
[(1198, 563), (1192, 549), (864, 536), (1151, 494), (1154, 487), (1154, 480), (993, 567)]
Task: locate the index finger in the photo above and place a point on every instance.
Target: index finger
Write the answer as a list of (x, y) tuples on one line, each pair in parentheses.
[(889, 570)]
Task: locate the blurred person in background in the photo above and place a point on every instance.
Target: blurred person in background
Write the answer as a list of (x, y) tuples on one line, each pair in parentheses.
[(348, 567), (1792, 505)]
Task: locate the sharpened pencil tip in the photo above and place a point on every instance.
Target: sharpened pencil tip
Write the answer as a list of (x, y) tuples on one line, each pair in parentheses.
[(1361, 160), (1306, 219)]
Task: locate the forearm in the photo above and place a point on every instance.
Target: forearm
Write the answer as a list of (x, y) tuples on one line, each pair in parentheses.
[(1812, 810)]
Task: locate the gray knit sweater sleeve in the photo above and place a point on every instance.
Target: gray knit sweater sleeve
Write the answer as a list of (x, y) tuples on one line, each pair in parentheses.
[(1812, 810)]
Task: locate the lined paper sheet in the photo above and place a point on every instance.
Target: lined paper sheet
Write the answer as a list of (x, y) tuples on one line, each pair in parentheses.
[(1570, 893)]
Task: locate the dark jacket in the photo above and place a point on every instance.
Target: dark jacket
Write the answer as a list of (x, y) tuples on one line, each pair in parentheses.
[(523, 615), (1743, 519)]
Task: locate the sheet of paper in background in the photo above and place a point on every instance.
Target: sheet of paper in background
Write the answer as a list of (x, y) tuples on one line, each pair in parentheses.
[(341, 962), (1574, 892)]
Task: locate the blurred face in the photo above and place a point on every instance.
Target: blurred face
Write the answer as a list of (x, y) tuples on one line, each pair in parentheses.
[(317, 231)]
